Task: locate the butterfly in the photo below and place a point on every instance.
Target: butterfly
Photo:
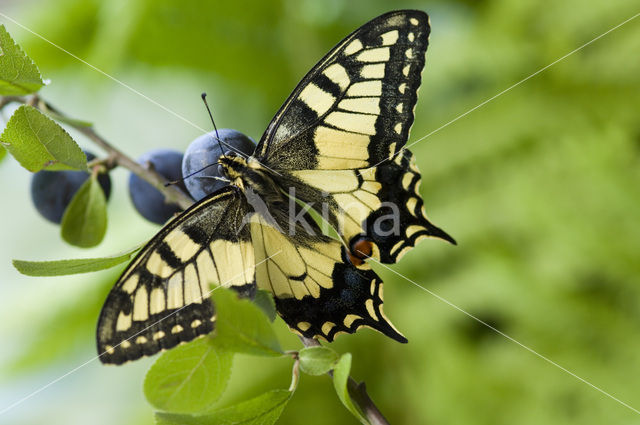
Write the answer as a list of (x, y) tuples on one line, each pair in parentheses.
[(335, 147)]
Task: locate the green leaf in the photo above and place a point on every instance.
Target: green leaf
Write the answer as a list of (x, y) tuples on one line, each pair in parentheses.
[(262, 410), (3, 153), (242, 326), (18, 74), (264, 300), (84, 222), (37, 142), (340, 379), (74, 266), (188, 378), (317, 360)]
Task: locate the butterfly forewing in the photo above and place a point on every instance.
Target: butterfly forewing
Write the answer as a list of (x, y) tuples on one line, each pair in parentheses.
[(162, 298), (355, 107)]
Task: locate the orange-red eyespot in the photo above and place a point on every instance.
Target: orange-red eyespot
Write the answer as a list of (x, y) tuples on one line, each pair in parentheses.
[(355, 260), (361, 249)]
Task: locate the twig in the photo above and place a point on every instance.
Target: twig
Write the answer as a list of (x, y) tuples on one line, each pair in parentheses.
[(358, 393), (360, 397), (172, 194)]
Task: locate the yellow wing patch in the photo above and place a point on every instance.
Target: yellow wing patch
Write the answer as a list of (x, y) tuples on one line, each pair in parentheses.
[(287, 270)]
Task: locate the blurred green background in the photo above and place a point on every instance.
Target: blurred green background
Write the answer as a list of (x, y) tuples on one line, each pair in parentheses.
[(540, 187)]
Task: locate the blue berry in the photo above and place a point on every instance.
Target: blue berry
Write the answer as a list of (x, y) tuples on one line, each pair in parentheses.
[(148, 200), (52, 191), (205, 151)]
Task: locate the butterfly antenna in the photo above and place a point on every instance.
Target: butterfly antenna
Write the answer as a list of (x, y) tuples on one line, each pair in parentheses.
[(204, 99), (206, 104)]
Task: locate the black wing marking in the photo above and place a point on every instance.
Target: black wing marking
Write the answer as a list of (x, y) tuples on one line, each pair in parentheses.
[(162, 298)]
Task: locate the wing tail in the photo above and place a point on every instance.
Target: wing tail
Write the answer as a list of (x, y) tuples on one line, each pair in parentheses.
[(354, 302)]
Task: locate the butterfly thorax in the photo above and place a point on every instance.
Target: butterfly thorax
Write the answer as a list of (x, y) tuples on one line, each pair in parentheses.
[(249, 174)]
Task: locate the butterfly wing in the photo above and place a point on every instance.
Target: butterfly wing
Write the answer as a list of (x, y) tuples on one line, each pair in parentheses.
[(338, 139), (162, 298), (317, 291)]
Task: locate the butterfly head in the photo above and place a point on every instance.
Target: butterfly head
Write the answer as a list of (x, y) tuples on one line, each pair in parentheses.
[(233, 167), (243, 172)]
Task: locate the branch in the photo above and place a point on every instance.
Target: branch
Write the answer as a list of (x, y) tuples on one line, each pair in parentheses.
[(173, 194), (358, 393)]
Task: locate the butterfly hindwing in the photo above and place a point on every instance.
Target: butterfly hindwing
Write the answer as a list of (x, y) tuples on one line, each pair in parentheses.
[(318, 293), (162, 298), (338, 139)]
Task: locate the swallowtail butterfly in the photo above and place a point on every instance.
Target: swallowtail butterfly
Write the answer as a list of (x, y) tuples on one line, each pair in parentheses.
[(337, 144)]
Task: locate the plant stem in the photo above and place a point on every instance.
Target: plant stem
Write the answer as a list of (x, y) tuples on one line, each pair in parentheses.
[(173, 194), (358, 393), (295, 374)]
